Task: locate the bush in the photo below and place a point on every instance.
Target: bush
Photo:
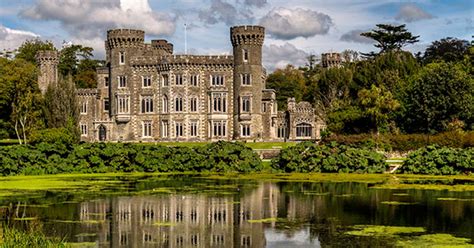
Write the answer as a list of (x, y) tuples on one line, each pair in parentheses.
[(53, 158), (333, 157), (435, 160), (405, 142)]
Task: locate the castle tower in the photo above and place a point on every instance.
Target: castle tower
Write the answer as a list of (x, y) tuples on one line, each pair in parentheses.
[(330, 60), (120, 45), (249, 81), (48, 69)]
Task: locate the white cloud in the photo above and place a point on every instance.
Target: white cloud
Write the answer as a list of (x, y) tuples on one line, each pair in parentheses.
[(90, 19), (11, 38), (354, 36), (286, 24), (223, 11), (279, 56), (410, 12)]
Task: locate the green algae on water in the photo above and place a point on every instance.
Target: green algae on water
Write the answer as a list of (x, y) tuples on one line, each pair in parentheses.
[(164, 224), (435, 240), (398, 203), (267, 220), (455, 199), (368, 230)]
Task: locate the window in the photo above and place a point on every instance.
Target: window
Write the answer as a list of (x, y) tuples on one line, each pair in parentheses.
[(179, 241), (245, 130), (147, 129), (281, 132), (83, 129), (217, 240), (245, 55), (106, 104), (122, 82), (147, 104), (246, 104), (246, 79), (165, 104), (219, 128), (84, 108), (194, 214), (165, 80), (179, 129), (146, 82), (122, 58), (264, 107), (164, 128), (194, 129), (179, 79), (147, 237), (245, 241), (219, 102), (106, 81), (303, 130), (194, 80), (194, 104), (217, 80), (123, 103), (178, 104), (194, 240)]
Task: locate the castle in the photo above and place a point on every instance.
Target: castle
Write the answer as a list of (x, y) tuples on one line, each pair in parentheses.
[(146, 93)]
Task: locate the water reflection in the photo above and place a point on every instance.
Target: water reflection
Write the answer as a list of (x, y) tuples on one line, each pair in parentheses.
[(250, 214)]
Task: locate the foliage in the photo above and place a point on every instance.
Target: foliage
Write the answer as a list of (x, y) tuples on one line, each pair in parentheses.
[(34, 239), (391, 37), (438, 94), (333, 157), (62, 156), (448, 49), (27, 51), (288, 82), (435, 160), (378, 103), (405, 142)]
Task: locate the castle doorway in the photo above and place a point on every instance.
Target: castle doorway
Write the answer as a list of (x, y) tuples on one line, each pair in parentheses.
[(102, 133)]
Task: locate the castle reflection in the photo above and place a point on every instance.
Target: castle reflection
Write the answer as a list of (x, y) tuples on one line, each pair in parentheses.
[(181, 220)]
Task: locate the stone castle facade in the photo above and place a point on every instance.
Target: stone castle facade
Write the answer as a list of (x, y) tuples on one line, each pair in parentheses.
[(146, 93)]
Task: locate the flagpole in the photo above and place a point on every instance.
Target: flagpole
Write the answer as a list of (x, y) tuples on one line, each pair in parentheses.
[(185, 39)]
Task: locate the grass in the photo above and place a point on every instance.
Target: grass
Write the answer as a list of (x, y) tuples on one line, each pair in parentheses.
[(363, 230), (32, 239)]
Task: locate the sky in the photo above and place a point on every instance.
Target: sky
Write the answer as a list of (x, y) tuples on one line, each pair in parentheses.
[(294, 28)]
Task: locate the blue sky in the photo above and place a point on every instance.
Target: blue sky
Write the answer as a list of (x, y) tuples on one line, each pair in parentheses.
[(295, 28)]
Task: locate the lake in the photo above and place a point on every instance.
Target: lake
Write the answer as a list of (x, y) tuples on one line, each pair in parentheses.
[(211, 211)]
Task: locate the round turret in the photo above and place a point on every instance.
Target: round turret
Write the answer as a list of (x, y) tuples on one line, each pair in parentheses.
[(162, 45), (48, 69), (247, 35), (47, 56), (125, 38)]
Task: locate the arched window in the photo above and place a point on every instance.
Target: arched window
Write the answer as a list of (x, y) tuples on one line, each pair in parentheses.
[(178, 104), (304, 130), (165, 104), (102, 133)]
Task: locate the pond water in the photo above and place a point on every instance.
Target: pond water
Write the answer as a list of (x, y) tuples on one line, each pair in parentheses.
[(195, 211)]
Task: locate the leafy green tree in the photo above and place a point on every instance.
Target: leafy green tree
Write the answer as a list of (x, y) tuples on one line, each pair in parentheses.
[(391, 37), (288, 82), (438, 94), (448, 49), (86, 76), (29, 48), (70, 58), (61, 107), (378, 104)]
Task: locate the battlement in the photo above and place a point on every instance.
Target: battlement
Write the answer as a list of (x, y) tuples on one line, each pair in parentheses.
[(87, 92), (102, 70), (248, 35), (225, 60), (329, 60), (125, 37), (47, 55), (162, 45)]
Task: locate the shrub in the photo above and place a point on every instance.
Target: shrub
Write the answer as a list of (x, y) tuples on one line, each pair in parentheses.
[(333, 157), (437, 160)]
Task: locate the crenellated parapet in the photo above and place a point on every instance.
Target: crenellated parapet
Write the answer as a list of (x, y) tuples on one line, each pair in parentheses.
[(329, 60), (125, 38), (47, 56), (163, 45), (247, 35), (192, 61)]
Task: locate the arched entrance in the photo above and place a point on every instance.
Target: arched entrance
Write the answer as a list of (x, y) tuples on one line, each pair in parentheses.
[(102, 133)]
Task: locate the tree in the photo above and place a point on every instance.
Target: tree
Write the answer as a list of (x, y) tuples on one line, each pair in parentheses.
[(349, 56), (70, 57), (61, 107), (288, 82), (448, 49), (437, 95), (29, 48), (378, 103), (26, 99), (391, 37)]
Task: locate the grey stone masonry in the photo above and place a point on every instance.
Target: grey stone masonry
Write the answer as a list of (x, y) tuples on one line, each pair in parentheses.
[(145, 93)]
